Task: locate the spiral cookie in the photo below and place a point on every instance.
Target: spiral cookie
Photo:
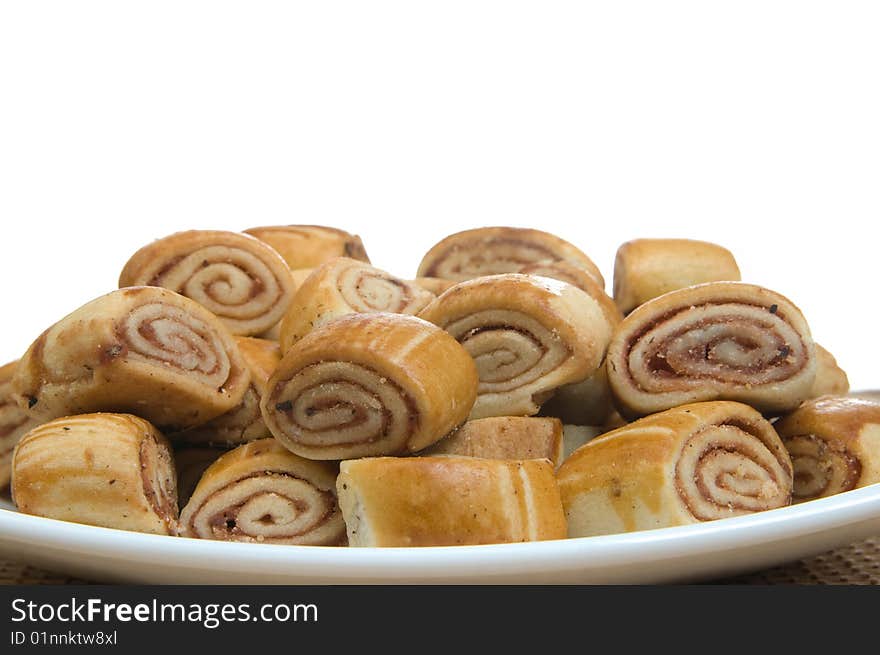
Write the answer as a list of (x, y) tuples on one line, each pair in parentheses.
[(140, 350), (369, 384), (14, 422), (345, 286), (694, 463), (309, 246), (715, 341), (110, 470), (260, 492), (237, 277), (492, 250), (834, 443), (528, 336)]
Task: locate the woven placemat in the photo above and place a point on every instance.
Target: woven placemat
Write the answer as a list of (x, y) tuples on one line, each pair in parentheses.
[(857, 564)]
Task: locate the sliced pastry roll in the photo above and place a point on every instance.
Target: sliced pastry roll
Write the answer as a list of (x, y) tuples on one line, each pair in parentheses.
[(504, 437), (344, 286), (14, 422), (492, 250), (238, 278), (244, 422), (448, 501), (647, 268), (369, 384), (834, 443), (715, 341), (141, 350), (528, 336), (261, 492), (697, 462), (309, 246), (109, 470)]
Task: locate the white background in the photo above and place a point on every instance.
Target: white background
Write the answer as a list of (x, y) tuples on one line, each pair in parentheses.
[(753, 124)]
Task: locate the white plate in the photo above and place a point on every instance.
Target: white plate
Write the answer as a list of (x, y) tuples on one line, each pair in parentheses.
[(689, 553)]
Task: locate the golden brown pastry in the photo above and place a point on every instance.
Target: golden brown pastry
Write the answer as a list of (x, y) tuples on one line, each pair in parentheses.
[(448, 501), (694, 463), (244, 422), (110, 470), (14, 422), (369, 384), (528, 335), (834, 443), (716, 341), (647, 268), (237, 277), (190, 463), (308, 246), (140, 350), (504, 437), (260, 492), (830, 378), (866, 394), (492, 250), (345, 286), (584, 279)]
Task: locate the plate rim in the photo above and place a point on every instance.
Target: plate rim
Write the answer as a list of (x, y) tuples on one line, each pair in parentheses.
[(822, 515)]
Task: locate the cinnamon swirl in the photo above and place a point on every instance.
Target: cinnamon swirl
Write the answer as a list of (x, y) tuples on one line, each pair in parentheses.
[(694, 463), (834, 443), (369, 384), (448, 501), (715, 341), (492, 250), (309, 246), (110, 470), (262, 493), (528, 336), (141, 350), (239, 278), (345, 286)]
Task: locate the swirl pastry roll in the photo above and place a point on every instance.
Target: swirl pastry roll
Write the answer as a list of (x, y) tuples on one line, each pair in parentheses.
[(309, 246), (345, 286), (190, 463), (694, 463), (369, 384), (448, 501), (504, 437), (647, 268), (834, 443), (239, 278), (244, 422), (585, 279), (14, 422), (528, 335), (141, 350), (260, 492), (715, 341), (109, 470), (830, 378), (493, 250)]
